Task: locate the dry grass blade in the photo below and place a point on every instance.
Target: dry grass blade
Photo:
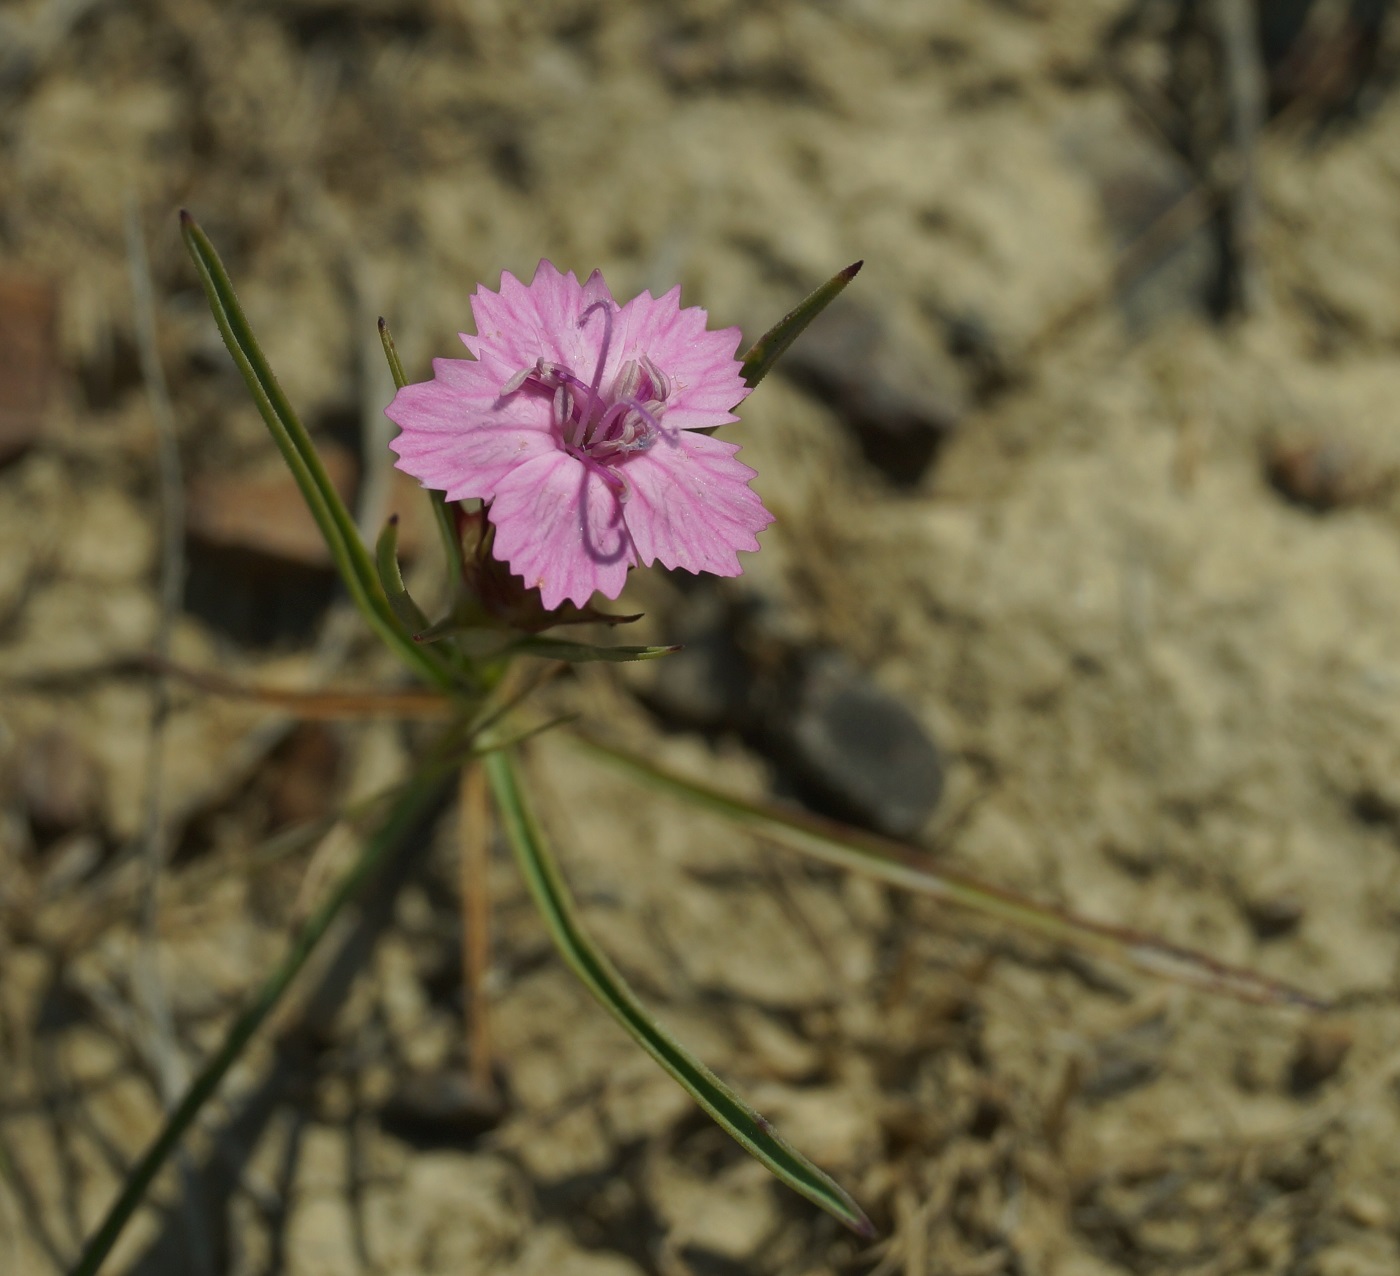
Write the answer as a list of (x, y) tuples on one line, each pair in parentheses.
[(315, 705), (475, 837), (908, 868), (157, 1037)]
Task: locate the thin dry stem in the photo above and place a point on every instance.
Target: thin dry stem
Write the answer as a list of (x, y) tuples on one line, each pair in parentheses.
[(1237, 25), (157, 1038), (475, 833), (321, 706), (151, 840)]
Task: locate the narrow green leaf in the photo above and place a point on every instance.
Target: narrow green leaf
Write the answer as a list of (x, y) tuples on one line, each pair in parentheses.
[(408, 808), (453, 626), (551, 895), (491, 743), (908, 868), (584, 653), (447, 535), (490, 643), (342, 538), (769, 348), (391, 353), (386, 560)]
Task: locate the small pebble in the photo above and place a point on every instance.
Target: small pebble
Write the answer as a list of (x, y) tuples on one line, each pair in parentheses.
[(59, 783), (28, 358), (440, 1107), (1366, 1209), (1321, 474), (1321, 1050)]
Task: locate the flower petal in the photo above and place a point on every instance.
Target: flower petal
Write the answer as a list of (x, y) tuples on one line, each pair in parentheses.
[(707, 378), (559, 525), (539, 320), (461, 439), (691, 504)]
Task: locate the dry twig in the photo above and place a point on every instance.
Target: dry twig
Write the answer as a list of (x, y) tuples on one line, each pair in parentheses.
[(476, 924), (158, 1039)]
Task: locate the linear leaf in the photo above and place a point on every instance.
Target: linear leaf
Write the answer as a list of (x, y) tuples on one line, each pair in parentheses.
[(391, 353), (386, 561), (769, 348), (491, 742), (583, 653), (348, 552), (491, 644), (551, 895), (906, 867)]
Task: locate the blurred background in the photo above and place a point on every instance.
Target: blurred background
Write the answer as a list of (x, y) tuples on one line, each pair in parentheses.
[(1086, 498)]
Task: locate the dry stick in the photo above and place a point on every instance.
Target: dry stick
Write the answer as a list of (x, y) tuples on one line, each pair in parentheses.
[(1169, 227), (172, 570), (329, 652), (172, 1075), (27, 48), (1237, 27), (317, 706), (332, 644), (1195, 206), (476, 924)]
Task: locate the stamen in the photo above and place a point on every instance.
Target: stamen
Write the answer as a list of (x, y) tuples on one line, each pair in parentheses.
[(620, 431), (661, 383), (517, 381), (642, 410), (618, 426), (640, 444), (546, 373), (562, 405), (628, 382)]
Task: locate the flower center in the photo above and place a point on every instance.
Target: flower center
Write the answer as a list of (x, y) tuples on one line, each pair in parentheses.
[(601, 426)]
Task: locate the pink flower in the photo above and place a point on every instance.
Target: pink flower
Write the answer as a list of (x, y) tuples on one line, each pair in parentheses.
[(579, 422)]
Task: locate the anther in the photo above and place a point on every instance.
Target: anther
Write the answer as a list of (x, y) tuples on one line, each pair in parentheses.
[(628, 382), (562, 406), (661, 383), (517, 381), (546, 373)]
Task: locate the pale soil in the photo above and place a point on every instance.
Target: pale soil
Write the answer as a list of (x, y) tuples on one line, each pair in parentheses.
[(1166, 696)]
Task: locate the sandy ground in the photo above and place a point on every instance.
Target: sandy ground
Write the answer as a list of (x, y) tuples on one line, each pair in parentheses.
[(1145, 598)]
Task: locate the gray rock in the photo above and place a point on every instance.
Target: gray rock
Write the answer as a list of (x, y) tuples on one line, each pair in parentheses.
[(855, 753)]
